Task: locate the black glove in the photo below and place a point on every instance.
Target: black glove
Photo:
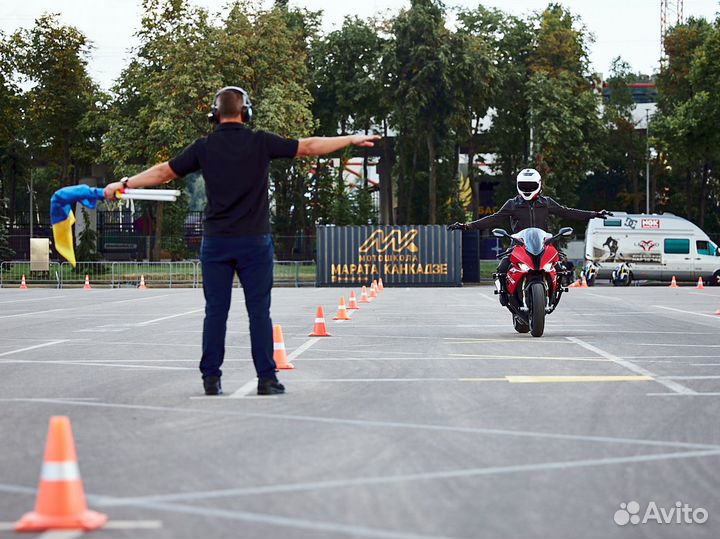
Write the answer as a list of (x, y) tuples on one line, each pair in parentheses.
[(603, 214), (457, 226)]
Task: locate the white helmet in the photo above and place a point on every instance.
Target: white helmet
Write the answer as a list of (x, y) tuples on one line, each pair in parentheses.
[(529, 183)]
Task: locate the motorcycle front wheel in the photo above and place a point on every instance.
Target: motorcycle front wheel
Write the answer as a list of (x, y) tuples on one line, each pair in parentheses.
[(537, 309)]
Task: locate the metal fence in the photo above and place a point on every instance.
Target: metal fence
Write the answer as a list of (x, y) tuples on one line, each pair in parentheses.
[(106, 274)]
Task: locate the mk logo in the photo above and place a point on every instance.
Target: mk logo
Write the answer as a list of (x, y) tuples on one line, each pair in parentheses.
[(395, 240)]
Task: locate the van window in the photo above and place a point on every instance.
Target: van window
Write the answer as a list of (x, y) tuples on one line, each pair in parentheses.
[(612, 222), (703, 247), (677, 247)]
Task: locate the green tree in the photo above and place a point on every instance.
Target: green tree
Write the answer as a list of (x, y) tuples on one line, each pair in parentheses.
[(53, 59), (563, 108), (13, 150), (685, 127), (423, 106), (161, 102)]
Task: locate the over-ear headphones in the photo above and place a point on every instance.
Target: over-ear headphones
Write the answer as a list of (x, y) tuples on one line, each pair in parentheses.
[(246, 113)]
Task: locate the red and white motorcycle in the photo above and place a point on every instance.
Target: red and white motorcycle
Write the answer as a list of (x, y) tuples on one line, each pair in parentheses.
[(534, 282)]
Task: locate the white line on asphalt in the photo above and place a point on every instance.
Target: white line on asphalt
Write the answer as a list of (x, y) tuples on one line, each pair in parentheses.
[(302, 348), (148, 322), (692, 377), (697, 394), (133, 525), (51, 343), (61, 534), (601, 296), (705, 364), (395, 425), (32, 299), (424, 476), (32, 313), (245, 390), (137, 299), (251, 386), (92, 364), (673, 386), (713, 316), (675, 345)]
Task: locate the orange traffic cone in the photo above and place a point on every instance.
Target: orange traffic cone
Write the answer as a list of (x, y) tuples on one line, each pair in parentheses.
[(373, 290), (142, 283), (320, 329), (380, 285), (23, 285), (700, 285), (87, 282), (673, 283), (342, 311), (279, 354), (583, 283), (60, 502), (364, 296), (576, 284), (353, 306)]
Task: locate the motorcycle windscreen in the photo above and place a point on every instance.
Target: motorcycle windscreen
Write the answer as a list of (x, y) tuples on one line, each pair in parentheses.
[(534, 239)]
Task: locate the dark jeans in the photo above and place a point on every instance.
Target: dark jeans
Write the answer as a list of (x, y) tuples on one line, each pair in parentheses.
[(251, 257)]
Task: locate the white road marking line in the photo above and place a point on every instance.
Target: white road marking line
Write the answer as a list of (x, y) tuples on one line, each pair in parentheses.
[(133, 525), (676, 345), (32, 299), (137, 299), (92, 364), (251, 386), (713, 316), (697, 394), (395, 425), (423, 476), (245, 390), (712, 377), (61, 534), (148, 322), (602, 296), (51, 343), (673, 386), (32, 313), (302, 348), (705, 364)]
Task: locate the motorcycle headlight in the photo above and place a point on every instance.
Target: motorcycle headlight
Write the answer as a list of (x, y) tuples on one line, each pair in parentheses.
[(524, 267), (548, 267)]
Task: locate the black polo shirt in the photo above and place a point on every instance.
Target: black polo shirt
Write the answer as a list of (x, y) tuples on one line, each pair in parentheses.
[(234, 161)]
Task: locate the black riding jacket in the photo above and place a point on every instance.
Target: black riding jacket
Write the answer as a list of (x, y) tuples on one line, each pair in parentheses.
[(533, 213)]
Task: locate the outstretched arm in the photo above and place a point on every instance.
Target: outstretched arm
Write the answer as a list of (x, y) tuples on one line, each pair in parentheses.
[(152, 177), (489, 221), (326, 145), (573, 213)]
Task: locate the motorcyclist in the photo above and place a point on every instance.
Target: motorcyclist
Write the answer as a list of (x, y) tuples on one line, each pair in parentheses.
[(528, 209)]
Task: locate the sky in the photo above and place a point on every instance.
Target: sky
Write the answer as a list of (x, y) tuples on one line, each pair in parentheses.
[(627, 28)]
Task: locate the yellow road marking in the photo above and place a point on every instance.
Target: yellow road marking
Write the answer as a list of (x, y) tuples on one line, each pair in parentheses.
[(560, 379)]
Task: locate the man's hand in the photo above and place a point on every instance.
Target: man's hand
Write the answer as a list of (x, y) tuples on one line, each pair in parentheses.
[(364, 141), (603, 214), (111, 189), (457, 226)]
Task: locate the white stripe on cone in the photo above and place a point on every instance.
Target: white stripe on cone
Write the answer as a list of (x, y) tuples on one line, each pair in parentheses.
[(278, 346), (60, 471), (319, 320)]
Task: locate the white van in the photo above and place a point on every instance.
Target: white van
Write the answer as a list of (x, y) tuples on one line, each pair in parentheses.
[(655, 247)]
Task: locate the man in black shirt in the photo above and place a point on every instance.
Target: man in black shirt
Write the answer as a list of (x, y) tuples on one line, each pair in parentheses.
[(234, 161)]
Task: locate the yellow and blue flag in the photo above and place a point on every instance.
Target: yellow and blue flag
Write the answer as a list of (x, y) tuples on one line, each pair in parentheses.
[(62, 218)]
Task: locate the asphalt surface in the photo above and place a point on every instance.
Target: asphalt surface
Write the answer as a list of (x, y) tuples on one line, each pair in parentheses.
[(424, 416)]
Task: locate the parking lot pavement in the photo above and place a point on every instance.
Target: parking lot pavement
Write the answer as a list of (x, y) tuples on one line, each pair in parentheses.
[(426, 415)]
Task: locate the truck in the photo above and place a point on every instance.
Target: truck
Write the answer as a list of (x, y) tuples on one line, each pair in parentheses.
[(651, 247)]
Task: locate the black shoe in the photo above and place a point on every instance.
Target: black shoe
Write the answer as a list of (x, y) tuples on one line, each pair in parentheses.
[(270, 386), (212, 385)]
